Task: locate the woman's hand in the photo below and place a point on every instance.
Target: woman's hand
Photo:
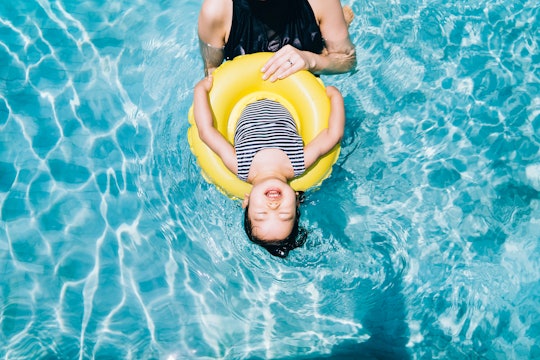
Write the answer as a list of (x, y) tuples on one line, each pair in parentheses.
[(336, 58), (286, 61)]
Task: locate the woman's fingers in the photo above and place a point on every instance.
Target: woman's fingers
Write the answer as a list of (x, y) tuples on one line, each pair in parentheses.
[(283, 63)]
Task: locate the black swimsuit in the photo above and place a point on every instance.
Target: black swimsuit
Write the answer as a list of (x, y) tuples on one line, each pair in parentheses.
[(269, 25)]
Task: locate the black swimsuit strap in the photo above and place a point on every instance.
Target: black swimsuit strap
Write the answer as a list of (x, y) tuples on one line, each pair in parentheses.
[(269, 25)]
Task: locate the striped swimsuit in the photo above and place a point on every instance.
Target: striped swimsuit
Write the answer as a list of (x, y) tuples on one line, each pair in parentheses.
[(267, 124)]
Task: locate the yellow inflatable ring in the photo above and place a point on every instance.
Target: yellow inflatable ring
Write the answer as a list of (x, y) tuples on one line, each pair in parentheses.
[(238, 83)]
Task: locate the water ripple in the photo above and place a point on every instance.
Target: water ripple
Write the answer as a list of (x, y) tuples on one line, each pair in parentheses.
[(423, 243)]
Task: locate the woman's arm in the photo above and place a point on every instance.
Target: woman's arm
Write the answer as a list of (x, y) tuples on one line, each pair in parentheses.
[(331, 136), (204, 120), (339, 55), (214, 24)]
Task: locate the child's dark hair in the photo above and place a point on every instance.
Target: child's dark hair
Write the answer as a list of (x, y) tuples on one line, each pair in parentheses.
[(281, 248)]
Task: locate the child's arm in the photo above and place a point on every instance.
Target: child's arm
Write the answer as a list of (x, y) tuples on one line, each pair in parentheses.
[(329, 137), (205, 124)]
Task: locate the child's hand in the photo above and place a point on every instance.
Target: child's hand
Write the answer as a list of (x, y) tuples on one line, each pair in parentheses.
[(205, 84), (332, 91)]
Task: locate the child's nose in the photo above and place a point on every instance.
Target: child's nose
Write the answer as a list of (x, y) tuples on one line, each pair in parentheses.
[(273, 205)]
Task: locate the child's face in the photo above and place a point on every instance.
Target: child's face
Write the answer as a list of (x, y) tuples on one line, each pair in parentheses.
[(272, 209)]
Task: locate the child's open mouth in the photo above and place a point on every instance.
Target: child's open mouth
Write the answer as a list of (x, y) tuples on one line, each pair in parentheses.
[(273, 194)]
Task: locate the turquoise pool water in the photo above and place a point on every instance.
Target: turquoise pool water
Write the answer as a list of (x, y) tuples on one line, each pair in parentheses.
[(424, 242)]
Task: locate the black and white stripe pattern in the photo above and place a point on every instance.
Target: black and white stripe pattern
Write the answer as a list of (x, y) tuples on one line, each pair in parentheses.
[(267, 124)]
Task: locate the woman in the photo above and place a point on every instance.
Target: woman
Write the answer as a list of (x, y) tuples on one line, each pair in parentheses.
[(304, 34)]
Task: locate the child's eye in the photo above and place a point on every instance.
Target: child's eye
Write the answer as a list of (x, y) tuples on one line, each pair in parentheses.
[(286, 216)]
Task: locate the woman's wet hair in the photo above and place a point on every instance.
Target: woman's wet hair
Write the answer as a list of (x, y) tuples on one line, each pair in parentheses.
[(281, 248)]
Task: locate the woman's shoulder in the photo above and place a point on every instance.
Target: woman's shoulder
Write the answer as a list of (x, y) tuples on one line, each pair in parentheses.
[(214, 22), (216, 11), (331, 14), (333, 19), (324, 8)]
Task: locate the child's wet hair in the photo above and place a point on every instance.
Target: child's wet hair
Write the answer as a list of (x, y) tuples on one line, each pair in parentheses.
[(281, 248)]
